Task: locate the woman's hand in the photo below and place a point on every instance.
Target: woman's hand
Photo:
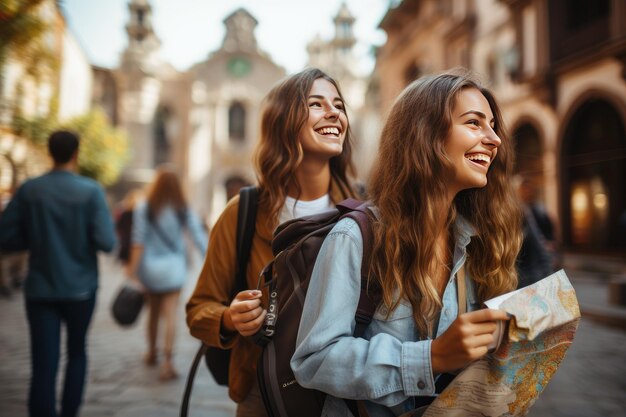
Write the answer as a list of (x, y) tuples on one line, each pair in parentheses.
[(134, 281), (466, 340), (136, 253), (245, 313)]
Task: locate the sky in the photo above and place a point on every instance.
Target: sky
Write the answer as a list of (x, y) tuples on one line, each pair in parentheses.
[(189, 30)]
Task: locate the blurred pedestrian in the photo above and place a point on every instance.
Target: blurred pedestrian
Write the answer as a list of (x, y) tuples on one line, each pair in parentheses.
[(536, 258), (13, 265), (124, 223), (63, 220), (303, 160), (446, 234), (159, 259)]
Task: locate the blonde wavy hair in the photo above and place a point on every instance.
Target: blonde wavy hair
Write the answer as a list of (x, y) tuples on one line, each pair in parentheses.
[(409, 187), (279, 152)]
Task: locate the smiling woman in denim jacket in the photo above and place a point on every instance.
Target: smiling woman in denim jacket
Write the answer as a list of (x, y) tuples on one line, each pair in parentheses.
[(443, 205)]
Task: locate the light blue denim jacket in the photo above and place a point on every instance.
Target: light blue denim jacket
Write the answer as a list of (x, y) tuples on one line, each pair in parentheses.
[(164, 268), (390, 364)]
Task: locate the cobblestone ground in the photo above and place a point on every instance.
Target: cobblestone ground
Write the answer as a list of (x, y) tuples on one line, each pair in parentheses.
[(591, 381), (119, 384)]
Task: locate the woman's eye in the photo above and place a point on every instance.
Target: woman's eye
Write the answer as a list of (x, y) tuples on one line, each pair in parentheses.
[(340, 107), (315, 104), (473, 122)]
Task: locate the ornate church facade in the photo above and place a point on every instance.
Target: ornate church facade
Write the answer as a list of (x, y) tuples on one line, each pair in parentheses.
[(205, 120)]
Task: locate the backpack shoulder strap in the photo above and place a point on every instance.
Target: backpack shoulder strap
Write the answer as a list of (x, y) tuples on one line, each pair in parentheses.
[(161, 233), (246, 226), (369, 297)]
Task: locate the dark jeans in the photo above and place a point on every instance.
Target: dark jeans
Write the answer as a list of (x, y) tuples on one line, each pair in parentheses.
[(44, 320)]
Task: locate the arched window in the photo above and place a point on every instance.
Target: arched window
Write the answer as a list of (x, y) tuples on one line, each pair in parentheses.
[(345, 31), (237, 122)]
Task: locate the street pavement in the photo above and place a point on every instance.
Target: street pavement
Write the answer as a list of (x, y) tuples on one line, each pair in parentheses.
[(119, 384), (591, 381)]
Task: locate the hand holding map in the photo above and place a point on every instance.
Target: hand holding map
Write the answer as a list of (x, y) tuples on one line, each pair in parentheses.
[(544, 319)]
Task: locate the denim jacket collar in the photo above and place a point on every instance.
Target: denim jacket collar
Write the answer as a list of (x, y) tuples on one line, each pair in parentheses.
[(463, 231)]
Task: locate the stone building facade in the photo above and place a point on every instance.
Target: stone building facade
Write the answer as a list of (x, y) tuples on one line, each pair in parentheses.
[(558, 68), (226, 97), (203, 120)]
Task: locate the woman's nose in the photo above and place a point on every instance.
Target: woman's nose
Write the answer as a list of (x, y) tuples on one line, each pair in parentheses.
[(332, 112), (492, 138)]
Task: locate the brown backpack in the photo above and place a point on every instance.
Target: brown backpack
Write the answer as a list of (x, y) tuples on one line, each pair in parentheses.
[(295, 246)]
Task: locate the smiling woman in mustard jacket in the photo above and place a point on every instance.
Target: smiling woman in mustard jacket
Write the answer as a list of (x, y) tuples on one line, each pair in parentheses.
[(302, 161)]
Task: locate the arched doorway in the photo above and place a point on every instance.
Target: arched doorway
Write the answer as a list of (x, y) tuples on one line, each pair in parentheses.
[(161, 139), (593, 172), (529, 164)]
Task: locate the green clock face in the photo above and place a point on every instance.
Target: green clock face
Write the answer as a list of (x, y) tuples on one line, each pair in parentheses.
[(239, 66)]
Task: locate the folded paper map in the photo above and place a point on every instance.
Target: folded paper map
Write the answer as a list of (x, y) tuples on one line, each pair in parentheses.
[(544, 319)]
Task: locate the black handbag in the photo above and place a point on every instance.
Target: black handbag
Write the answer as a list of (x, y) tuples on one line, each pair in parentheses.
[(127, 305), (216, 359)]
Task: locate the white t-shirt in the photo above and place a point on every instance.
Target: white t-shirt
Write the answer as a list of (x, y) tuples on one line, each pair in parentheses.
[(292, 208)]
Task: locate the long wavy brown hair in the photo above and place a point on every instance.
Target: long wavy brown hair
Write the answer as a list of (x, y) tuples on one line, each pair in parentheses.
[(409, 186), (279, 152), (164, 191)]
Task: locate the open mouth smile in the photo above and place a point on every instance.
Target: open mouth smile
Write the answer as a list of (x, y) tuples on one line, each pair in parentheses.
[(479, 159), (329, 131)]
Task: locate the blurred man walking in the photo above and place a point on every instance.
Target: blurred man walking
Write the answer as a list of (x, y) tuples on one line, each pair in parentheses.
[(62, 219)]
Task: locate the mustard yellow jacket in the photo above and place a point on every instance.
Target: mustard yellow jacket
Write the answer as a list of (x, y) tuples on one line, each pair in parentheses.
[(216, 282)]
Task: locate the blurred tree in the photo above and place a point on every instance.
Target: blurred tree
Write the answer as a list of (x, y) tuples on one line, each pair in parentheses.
[(36, 130), (21, 29), (28, 35), (19, 23), (103, 147), (25, 36)]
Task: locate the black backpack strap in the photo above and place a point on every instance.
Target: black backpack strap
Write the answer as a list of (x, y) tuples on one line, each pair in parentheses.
[(184, 405), (160, 233), (246, 226), (181, 215)]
